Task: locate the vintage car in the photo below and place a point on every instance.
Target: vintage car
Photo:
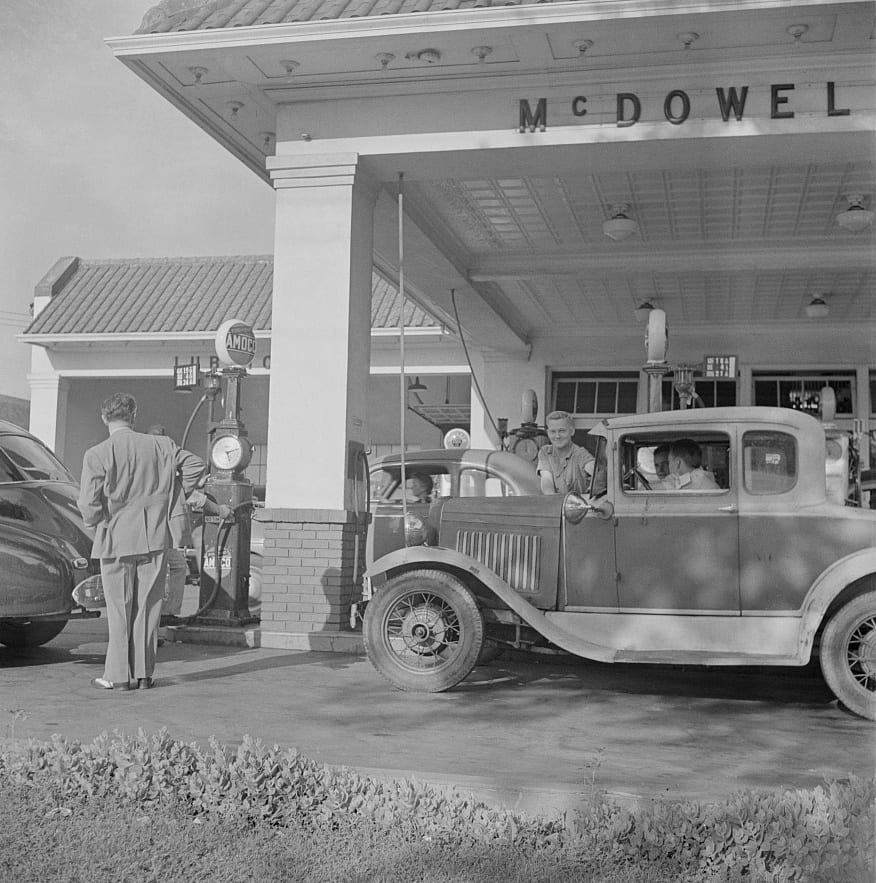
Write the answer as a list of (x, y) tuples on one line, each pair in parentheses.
[(453, 472), (760, 570), (44, 546)]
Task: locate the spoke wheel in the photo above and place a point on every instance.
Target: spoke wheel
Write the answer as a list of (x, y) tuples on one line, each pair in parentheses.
[(423, 631), (848, 655)]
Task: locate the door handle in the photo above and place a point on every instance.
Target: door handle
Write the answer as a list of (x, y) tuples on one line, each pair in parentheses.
[(730, 508)]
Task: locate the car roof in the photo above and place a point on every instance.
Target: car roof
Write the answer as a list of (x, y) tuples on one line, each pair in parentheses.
[(7, 428), (692, 417), (503, 462)]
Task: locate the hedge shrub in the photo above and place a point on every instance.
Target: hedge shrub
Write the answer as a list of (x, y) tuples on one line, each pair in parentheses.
[(826, 833)]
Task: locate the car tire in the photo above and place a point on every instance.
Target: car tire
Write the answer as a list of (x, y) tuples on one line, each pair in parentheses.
[(848, 655), (21, 635), (423, 631)]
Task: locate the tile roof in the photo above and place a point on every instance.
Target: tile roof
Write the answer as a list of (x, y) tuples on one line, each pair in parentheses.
[(155, 295), (202, 15)]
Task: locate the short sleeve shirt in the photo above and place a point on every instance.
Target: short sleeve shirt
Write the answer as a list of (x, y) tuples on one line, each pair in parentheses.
[(571, 471)]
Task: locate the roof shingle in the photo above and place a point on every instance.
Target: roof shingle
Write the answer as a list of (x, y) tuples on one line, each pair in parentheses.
[(162, 295), (198, 15)]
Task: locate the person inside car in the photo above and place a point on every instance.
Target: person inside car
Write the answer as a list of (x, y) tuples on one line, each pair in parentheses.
[(685, 467), (420, 488)]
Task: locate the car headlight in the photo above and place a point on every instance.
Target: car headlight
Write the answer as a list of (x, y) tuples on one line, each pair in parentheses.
[(89, 593), (415, 531)]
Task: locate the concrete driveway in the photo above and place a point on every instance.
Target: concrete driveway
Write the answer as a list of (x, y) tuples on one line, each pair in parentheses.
[(528, 732)]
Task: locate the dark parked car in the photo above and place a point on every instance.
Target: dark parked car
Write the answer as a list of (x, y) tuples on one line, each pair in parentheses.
[(44, 546), (754, 567), (451, 473)]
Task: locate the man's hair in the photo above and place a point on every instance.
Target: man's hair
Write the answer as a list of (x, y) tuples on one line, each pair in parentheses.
[(662, 449), (560, 415), (120, 406), (688, 450)]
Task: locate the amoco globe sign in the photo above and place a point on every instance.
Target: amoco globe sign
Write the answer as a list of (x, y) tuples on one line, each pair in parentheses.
[(235, 344)]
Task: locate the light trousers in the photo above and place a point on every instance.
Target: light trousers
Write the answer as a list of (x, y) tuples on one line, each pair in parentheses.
[(134, 590)]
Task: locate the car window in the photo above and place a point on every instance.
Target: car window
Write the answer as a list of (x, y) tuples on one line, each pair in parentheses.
[(29, 458), (769, 462), (481, 483), (423, 485), (645, 457)]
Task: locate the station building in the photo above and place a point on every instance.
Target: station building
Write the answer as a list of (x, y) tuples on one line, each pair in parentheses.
[(537, 176)]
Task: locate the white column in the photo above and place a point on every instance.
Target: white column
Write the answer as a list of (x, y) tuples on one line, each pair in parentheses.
[(48, 408), (321, 329)]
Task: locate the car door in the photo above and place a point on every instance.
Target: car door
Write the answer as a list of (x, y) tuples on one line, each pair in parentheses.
[(676, 550)]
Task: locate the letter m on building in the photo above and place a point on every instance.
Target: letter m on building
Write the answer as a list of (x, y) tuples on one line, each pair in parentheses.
[(531, 121)]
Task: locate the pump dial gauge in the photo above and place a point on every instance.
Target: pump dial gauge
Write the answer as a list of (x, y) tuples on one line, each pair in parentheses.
[(230, 452)]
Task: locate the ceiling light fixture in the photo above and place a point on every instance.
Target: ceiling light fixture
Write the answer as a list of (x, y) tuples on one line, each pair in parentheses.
[(643, 310), (817, 308), (619, 226), (384, 58), (796, 31), (582, 45), (855, 218), (289, 66), (482, 52), (416, 386), (688, 39), (198, 73)]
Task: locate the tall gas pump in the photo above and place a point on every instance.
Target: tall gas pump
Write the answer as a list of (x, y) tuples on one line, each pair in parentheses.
[(224, 586)]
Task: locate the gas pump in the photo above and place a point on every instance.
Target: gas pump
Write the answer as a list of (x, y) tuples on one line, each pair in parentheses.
[(224, 584)]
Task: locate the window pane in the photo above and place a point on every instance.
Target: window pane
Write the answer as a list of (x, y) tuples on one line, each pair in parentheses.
[(34, 461), (769, 462), (565, 399), (725, 393), (766, 393), (627, 394), (586, 397), (477, 483), (606, 399)]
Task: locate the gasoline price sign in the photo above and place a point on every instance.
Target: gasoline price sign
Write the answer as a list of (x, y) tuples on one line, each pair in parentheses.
[(719, 367), (186, 376)]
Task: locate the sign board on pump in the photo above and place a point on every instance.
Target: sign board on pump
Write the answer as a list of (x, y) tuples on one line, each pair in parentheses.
[(235, 344)]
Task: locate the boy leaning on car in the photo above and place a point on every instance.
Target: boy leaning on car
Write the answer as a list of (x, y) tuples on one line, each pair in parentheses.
[(128, 483)]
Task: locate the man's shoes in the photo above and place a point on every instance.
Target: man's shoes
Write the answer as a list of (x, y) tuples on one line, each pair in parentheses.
[(104, 684), (145, 683)]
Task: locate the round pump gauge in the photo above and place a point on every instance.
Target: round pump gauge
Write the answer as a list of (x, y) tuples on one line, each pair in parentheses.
[(230, 452)]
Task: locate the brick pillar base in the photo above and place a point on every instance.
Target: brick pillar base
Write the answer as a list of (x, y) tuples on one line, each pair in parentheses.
[(308, 575)]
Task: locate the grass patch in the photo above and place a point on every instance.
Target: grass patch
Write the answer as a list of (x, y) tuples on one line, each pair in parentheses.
[(150, 808)]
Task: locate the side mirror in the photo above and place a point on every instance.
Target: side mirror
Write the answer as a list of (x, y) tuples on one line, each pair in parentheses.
[(575, 508)]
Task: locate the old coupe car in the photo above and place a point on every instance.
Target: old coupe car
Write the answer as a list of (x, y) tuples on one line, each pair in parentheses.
[(761, 569), (44, 547)]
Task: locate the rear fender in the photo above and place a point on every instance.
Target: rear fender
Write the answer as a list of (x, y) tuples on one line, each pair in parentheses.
[(828, 586), (432, 556)]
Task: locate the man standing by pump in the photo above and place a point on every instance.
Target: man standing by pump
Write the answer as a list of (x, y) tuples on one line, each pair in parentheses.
[(129, 482)]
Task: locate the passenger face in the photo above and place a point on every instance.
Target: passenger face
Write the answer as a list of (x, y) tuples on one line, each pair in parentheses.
[(560, 433), (661, 464)]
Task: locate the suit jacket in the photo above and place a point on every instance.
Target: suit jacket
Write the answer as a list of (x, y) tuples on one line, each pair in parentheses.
[(129, 484)]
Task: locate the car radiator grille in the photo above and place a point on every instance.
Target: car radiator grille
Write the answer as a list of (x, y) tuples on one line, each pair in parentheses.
[(514, 557)]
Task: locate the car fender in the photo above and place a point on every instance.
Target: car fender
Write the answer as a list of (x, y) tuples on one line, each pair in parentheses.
[(532, 616), (828, 585)]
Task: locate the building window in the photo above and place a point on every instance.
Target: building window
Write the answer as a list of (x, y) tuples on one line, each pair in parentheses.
[(802, 392), (714, 393), (873, 395), (591, 394)]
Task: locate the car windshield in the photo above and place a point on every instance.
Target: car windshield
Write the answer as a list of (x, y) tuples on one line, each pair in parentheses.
[(23, 459)]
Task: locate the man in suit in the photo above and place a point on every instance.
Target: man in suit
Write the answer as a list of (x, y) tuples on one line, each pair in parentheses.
[(129, 483)]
